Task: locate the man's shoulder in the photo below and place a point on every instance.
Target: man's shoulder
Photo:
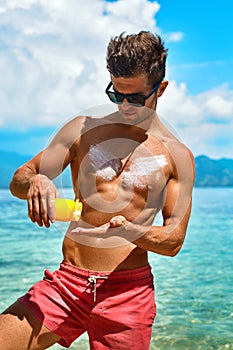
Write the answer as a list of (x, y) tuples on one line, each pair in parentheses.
[(182, 161), (180, 156), (81, 124), (177, 146), (171, 140), (91, 121)]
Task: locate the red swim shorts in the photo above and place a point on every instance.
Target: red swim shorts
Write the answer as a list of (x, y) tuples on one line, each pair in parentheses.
[(116, 309)]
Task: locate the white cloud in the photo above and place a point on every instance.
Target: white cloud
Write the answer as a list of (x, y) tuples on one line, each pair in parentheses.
[(176, 36), (140, 14), (204, 121), (215, 105), (219, 106), (52, 61)]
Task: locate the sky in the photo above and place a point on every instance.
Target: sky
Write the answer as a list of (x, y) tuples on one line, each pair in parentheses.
[(52, 66)]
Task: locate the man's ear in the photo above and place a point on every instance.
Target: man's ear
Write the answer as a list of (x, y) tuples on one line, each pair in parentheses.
[(162, 88)]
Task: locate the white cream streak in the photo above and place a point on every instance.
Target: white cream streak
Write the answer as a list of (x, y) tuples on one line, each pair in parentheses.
[(108, 166), (105, 164), (141, 167), (151, 163)]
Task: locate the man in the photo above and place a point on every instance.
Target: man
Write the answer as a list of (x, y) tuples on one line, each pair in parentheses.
[(126, 167)]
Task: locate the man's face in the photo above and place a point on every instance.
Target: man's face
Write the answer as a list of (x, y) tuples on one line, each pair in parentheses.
[(135, 85)]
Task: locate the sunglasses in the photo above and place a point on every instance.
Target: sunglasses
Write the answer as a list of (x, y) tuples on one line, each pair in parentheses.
[(135, 99)]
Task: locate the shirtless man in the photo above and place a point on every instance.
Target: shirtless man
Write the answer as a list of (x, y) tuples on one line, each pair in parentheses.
[(126, 167)]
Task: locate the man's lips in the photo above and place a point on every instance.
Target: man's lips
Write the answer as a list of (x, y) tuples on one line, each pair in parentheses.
[(128, 113)]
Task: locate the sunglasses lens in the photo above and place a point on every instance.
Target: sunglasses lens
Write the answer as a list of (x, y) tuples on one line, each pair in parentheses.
[(136, 100), (115, 97)]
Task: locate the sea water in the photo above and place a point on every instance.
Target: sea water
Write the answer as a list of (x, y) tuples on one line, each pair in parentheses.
[(194, 290)]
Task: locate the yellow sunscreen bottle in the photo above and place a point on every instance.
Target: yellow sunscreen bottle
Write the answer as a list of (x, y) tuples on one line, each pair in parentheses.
[(68, 209)]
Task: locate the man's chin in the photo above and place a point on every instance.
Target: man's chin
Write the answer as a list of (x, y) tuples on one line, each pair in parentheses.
[(130, 117)]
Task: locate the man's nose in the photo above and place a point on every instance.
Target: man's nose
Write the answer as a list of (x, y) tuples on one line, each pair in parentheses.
[(125, 104)]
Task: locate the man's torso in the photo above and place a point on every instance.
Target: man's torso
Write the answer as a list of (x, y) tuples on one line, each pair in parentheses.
[(118, 170)]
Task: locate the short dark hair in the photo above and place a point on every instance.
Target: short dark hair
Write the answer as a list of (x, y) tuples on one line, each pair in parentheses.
[(136, 54)]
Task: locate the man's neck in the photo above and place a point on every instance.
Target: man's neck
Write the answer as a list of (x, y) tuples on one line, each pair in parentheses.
[(149, 122)]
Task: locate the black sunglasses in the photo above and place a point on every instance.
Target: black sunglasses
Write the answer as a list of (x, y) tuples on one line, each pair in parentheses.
[(134, 99)]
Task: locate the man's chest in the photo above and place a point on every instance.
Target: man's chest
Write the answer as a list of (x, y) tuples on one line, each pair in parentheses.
[(127, 165)]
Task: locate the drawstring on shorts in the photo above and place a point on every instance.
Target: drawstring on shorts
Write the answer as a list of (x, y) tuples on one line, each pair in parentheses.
[(93, 279)]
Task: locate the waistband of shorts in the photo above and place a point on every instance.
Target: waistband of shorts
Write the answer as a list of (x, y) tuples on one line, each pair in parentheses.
[(138, 273)]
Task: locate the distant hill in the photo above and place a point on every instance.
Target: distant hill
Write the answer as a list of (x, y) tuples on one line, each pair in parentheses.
[(209, 172), (213, 173), (10, 161)]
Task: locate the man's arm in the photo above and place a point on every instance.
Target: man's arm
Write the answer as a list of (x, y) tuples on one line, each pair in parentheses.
[(25, 174), (33, 180), (168, 239)]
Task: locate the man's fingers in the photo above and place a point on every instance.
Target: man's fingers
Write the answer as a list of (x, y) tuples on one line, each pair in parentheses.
[(41, 205), (44, 211), (51, 208), (91, 231), (30, 210), (117, 221)]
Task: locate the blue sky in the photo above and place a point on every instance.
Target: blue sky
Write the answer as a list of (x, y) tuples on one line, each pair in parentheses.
[(52, 66)]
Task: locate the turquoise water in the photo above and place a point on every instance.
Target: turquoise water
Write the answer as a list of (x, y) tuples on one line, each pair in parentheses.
[(194, 290)]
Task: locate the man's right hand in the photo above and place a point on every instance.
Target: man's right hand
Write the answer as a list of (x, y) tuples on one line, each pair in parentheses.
[(41, 200)]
